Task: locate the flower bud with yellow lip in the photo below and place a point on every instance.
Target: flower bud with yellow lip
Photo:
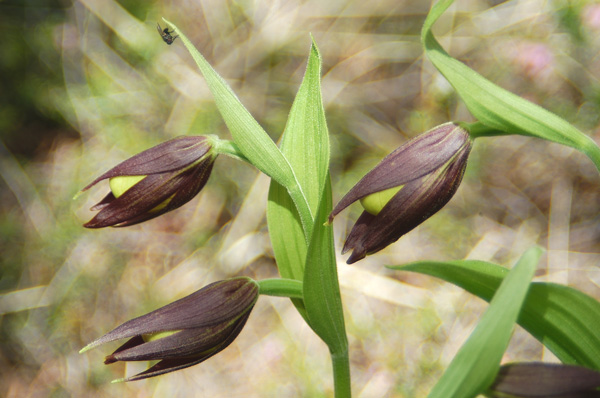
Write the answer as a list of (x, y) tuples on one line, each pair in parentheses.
[(406, 188), (187, 331), (375, 202), (154, 182), (120, 185)]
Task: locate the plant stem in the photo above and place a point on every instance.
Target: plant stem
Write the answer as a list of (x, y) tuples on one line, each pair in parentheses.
[(585, 144), (280, 287), (479, 129), (228, 148), (341, 374)]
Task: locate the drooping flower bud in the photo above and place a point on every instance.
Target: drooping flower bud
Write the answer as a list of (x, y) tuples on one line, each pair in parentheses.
[(154, 182), (187, 331), (406, 188), (537, 379)]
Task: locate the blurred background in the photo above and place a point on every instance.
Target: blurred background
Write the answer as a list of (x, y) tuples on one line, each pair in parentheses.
[(86, 84)]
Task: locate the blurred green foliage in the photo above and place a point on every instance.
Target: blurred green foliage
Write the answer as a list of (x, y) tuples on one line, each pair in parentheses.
[(30, 69), (89, 83)]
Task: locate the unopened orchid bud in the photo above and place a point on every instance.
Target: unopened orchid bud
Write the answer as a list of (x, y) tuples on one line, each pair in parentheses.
[(187, 331), (406, 188), (154, 182), (538, 379)]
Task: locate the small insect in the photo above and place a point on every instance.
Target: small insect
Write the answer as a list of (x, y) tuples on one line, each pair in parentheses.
[(165, 34)]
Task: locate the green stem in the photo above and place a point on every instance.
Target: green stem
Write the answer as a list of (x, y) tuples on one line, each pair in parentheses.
[(586, 144), (341, 374), (479, 129), (228, 148), (280, 287)]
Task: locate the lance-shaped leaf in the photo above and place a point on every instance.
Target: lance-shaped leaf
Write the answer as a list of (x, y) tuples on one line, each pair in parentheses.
[(476, 364), (500, 111), (249, 136), (564, 319), (322, 296), (305, 143)]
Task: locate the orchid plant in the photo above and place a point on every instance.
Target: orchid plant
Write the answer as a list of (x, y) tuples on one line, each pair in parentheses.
[(404, 189)]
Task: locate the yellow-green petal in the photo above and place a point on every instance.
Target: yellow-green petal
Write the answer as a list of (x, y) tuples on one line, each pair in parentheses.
[(119, 185), (158, 335), (376, 201)]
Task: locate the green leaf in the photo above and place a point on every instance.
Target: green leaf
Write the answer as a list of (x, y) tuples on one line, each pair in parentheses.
[(285, 231), (254, 143), (476, 364), (321, 286), (305, 140), (305, 144), (564, 319), (287, 237), (497, 108), (322, 296)]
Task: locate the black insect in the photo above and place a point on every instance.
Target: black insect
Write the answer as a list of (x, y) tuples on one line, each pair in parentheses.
[(166, 35)]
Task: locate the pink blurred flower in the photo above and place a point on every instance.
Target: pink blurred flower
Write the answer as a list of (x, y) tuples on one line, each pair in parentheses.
[(534, 59), (590, 16)]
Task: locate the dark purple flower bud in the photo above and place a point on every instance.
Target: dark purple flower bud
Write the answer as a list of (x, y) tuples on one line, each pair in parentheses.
[(537, 379), (154, 182), (187, 331), (406, 188)]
